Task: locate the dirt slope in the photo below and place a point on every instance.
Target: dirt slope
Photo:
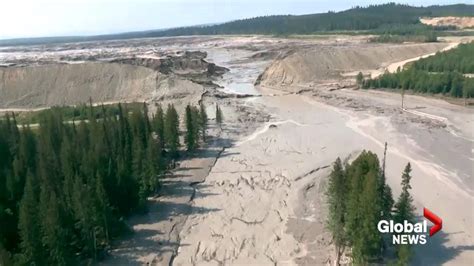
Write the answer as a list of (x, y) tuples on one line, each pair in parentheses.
[(71, 84), (65, 80), (323, 63), (459, 22)]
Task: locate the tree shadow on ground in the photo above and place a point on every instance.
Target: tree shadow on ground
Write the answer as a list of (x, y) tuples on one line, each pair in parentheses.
[(131, 254), (145, 241), (436, 251), (178, 188), (211, 149), (181, 169), (165, 210)]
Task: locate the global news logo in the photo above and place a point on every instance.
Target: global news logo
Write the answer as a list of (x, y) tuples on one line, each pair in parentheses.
[(411, 233)]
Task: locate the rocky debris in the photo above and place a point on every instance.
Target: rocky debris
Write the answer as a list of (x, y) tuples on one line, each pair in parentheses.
[(226, 95), (259, 79), (189, 64), (265, 55)]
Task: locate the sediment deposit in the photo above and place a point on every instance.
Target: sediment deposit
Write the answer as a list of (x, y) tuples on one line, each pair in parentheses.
[(255, 193)]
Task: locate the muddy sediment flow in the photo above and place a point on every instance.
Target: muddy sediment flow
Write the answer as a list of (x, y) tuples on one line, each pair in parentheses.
[(255, 193)]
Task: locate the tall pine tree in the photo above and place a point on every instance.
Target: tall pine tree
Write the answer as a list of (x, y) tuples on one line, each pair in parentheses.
[(404, 211), (219, 116), (171, 131), (30, 232), (364, 208), (203, 121), (158, 125), (337, 193), (190, 136)]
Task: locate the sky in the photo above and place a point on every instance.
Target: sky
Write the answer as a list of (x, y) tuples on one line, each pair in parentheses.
[(39, 18)]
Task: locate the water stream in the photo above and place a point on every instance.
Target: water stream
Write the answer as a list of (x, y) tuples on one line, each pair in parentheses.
[(243, 70)]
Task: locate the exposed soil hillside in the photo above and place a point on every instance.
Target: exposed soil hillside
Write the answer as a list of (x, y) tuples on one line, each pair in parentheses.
[(324, 63), (60, 84), (120, 79), (459, 22)]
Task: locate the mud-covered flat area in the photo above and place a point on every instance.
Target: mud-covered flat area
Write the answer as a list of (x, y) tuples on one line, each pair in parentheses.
[(255, 194)]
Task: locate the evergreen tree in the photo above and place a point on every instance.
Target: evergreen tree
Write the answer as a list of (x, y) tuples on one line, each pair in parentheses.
[(158, 125), (364, 208), (140, 176), (196, 119), (5, 259), (154, 165), (404, 207), (148, 127), (385, 190), (368, 243), (438, 74), (171, 131), (337, 192), (404, 211), (30, 234), (190, 137), (203, 121), (53, 232), (219, 116), (65, 189), (103, 208)]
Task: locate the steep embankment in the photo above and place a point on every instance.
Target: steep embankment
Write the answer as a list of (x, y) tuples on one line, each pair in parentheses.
[(59, 84), (120, 79), (323, 63)]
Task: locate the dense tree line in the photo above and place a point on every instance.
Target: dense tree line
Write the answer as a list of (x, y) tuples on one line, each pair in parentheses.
[(385, 18), (460, 59), (194, 126), (428, 36), (79, 112), (358, 199), (438, 74), (410, 29), (66, 187), (453, 84)]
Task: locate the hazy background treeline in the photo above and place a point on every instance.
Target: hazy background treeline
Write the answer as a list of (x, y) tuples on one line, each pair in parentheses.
[(374, 17), (385, 19)]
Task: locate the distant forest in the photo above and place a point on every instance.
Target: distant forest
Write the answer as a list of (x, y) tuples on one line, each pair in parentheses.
[(443, 73), (379, 19), (374, 17)]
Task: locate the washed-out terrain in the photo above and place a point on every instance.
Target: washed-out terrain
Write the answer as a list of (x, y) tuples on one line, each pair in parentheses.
[(255, 193)]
